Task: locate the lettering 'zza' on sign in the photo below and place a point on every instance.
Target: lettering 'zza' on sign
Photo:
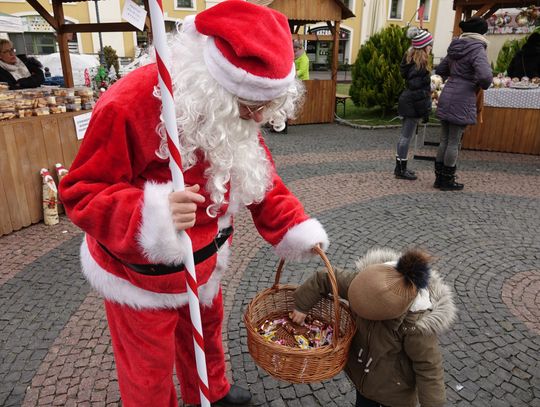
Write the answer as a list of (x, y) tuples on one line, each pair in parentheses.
[(343, 33), (319, 51)]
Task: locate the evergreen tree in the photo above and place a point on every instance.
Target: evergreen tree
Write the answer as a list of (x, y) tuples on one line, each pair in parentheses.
[(111, 59), (376, 80)]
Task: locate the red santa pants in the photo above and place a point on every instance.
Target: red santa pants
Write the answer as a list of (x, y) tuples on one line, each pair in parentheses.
[(148, 343)]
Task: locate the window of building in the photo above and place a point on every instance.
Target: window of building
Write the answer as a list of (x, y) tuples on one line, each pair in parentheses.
[(40, 38), (395, 10), (184, 4), (427, 9), (34, 43)]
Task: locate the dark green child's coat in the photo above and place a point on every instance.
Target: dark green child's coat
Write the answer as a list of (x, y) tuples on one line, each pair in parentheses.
[(398, 362)]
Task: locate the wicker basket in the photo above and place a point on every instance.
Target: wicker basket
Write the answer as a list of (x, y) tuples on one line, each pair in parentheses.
[(293, 364)]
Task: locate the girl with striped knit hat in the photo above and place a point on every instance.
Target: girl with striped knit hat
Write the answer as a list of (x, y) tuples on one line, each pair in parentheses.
[(415, 101)]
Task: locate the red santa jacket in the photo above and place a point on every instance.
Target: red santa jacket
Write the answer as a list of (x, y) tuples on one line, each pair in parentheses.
[(117, 192)]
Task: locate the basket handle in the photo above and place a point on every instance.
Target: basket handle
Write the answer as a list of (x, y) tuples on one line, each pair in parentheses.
[(333, 282)]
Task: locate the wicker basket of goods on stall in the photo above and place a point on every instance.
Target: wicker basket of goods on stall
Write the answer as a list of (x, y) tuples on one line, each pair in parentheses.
[(292, 364)]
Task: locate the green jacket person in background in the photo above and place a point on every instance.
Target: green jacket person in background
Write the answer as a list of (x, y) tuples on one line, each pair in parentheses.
[(301, 61)]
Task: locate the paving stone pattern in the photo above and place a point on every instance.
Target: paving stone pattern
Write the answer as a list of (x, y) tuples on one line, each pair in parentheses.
[(54, 342)]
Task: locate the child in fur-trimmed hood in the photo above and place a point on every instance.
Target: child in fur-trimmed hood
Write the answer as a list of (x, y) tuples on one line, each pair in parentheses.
[(401, 307)]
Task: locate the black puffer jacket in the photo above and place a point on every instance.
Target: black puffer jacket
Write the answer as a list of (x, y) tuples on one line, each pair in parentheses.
[(35, 79), (526, 62), (415, 100)]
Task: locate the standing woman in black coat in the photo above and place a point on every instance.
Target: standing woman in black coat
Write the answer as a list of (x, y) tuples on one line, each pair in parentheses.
[(526, 62), (415, 101), (19, 71)]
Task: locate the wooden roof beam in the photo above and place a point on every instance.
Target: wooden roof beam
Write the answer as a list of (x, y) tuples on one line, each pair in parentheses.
[(44, 13), (491, 12), (482, 10), (313, 37), (96, 27)]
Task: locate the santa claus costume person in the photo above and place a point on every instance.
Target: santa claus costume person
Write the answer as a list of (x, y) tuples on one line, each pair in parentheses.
[(233, 70)]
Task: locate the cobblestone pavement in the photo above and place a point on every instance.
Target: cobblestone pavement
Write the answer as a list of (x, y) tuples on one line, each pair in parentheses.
[(54, 342)]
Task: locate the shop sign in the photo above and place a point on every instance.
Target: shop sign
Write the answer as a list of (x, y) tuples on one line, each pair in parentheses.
[(134, 14), (343, 34), (81, 124)]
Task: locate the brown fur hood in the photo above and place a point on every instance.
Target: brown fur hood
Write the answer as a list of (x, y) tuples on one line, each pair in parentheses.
[(441, 314)]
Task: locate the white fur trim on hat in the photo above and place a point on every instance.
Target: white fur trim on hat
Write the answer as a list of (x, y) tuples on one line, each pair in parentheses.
[(241, 83), (188, 25), (297, 243), (158, 238)]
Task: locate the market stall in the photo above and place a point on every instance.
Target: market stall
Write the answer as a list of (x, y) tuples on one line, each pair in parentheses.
[(64, 30), (468, 8), (511, 122), (320, 101), (37, 130), (511, 116)]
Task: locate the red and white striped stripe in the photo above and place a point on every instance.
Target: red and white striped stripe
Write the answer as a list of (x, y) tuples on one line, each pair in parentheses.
[(163, 60)]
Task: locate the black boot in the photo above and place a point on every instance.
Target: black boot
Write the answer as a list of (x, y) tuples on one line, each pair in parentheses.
[(235, 397), (401, 170), (448, 180), (438, 174)]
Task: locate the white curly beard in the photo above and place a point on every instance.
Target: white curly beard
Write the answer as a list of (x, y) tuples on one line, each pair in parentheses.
[(208, 121)]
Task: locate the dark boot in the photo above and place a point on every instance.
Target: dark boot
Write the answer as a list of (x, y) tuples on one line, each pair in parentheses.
[(401, 170), (235, 397), (438, 174), (448, 180)]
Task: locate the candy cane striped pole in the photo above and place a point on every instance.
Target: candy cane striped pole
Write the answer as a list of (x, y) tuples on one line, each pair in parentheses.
[(169, 117)]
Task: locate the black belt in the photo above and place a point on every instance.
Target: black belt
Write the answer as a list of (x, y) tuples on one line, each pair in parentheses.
[(164, 269)]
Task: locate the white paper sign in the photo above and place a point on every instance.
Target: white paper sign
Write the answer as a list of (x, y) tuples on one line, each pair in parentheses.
[(134, 14), (81, 124)]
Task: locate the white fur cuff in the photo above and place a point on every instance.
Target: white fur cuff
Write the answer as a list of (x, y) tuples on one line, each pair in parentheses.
[(157, 236), (297, 243)]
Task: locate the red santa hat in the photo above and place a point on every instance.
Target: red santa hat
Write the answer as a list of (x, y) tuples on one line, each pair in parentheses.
[(248, 50)]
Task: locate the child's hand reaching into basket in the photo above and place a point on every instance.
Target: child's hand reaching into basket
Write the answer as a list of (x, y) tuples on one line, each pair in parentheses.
[(297, 317)]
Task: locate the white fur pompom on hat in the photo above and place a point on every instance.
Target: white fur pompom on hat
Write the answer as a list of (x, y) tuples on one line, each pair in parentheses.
[(248, 50)]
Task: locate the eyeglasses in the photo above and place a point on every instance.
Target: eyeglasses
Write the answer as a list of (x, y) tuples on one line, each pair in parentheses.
[(253, 107), (252, 110), (9, 51)]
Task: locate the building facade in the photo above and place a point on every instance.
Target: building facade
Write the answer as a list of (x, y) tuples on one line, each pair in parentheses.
[(38, 37), (370, 16)]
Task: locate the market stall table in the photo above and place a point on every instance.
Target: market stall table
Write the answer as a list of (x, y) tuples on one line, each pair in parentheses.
[(511, 122), (27, 145)]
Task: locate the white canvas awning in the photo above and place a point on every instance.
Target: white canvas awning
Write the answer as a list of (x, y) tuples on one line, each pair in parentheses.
[(11, 24)]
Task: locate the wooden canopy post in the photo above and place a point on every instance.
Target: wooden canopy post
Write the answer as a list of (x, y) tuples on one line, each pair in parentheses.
[(457, 19), (62, 38)]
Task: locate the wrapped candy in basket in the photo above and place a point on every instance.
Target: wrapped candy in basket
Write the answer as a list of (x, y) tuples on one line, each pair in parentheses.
[(307, 354)]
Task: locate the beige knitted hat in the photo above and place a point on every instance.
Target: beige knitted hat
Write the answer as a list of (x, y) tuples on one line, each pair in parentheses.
[(386, 291)]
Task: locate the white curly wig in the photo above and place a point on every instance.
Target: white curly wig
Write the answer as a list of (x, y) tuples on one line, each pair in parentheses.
[(210, 127)]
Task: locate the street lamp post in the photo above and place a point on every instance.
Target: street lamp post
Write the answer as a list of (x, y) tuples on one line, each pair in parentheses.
[(101, 56)]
